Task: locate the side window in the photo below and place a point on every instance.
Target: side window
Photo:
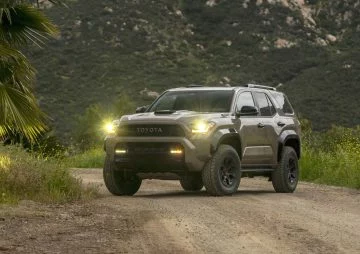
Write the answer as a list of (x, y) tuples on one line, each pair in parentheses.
[(244, 99), (265, 106), (271, 105), (284, 103)]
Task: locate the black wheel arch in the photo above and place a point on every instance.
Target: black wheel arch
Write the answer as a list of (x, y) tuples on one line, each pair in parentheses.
[(227, 137), (289, 138)]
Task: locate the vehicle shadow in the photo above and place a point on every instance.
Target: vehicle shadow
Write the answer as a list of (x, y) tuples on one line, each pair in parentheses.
[(200, 194)]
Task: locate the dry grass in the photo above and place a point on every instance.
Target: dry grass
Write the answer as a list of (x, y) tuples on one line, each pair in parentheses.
[(24, 176)]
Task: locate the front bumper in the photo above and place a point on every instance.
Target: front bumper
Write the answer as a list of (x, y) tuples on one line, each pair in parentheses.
[(152, 154)]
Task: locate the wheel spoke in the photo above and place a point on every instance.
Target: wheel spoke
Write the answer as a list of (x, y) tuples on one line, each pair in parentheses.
[(227, 172), (291, 167)]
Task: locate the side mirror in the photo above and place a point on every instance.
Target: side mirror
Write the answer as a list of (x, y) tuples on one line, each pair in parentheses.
[(247, 111), (141, 109)]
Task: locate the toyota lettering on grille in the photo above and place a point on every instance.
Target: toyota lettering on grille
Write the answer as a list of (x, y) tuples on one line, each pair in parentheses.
[(154, 130)]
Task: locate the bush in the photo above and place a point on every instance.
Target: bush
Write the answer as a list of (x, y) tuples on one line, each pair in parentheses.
[(89, 132), (332, 157), (92, 158), (24, 176)]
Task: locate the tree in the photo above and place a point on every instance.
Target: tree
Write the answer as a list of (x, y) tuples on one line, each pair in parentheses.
[(21, 24)]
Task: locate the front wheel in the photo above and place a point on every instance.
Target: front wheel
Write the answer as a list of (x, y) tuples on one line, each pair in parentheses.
[(286, 176), (119, 183), (221, 175)]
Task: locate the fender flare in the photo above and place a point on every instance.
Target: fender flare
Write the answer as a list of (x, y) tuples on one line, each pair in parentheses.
[(220, 135), (288, 135)]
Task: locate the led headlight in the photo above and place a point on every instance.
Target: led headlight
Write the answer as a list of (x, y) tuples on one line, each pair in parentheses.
[(110, 127), (202, 127)]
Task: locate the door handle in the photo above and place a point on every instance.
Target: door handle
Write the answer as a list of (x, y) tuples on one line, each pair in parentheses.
[(260, 125), (281, 124)]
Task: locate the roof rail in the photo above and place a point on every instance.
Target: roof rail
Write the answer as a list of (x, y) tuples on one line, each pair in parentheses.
[(262, 87), (194, 85)]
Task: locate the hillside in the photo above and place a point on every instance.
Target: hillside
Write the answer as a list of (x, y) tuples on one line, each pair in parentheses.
[(310, 50)]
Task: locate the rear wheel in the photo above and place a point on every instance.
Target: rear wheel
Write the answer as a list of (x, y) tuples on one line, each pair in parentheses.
[(119, 183), (221, 175), (286, 176), (191, 182)]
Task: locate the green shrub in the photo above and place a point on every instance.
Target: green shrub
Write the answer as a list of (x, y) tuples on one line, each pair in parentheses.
[(92, 158), (24, 176), (89, 131)]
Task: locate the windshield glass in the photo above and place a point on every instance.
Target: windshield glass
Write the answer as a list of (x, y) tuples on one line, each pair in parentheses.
[(199, 101)]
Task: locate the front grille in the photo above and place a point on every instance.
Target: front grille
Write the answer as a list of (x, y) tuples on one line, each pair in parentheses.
[(150, 157), (151, 130)]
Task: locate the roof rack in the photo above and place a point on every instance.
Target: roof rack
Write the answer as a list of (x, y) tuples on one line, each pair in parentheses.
[(262, 87)]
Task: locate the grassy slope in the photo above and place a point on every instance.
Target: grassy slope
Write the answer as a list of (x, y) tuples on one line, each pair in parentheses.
[(147, 44)]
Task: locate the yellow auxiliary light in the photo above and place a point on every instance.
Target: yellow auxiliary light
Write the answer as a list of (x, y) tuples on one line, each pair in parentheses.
[(120, 151), (176, 151)]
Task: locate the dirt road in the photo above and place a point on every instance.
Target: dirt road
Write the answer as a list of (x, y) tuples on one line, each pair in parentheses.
[(161, 218)]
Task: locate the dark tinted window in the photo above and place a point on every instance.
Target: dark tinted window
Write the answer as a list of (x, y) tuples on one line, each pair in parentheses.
[(245, 99), (265, 106), (283, 102), (199, 101)]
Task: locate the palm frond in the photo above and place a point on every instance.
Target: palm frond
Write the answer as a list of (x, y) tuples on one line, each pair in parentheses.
[(20, 24), (19, 113), (15, 69), (23, 23)]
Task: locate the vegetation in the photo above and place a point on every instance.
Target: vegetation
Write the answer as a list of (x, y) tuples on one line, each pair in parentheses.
[(89, 129), (90, 158), (20, 25), (332, 157), (24, 176)]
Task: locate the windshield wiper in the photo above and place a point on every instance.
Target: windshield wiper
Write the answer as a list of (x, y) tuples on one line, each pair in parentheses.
[(164, 112)]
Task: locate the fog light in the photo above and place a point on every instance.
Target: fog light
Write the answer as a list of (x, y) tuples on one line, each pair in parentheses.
[(120, 151), (176, 151)]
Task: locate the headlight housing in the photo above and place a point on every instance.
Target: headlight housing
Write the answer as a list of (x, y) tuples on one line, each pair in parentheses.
[(202, 127), (111, 127)]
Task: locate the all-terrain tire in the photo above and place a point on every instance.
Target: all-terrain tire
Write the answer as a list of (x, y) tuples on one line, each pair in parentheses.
[(285, 177), (222, 173), (191, 182), (117, 182)]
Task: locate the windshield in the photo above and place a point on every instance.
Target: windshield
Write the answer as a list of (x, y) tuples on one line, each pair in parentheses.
[(199, 101)]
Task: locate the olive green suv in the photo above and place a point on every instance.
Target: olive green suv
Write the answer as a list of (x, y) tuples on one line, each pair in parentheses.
[(206, 136)]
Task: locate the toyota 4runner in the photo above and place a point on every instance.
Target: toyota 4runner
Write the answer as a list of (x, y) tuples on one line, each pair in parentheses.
[(206, 136)]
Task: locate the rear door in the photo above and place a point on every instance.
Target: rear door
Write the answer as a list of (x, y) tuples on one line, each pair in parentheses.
[(269, 131)]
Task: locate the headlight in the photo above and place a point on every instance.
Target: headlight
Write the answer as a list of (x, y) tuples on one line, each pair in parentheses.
[(110, 127), (202, 127)]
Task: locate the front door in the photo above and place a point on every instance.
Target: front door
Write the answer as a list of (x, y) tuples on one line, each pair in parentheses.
[(257, 132)]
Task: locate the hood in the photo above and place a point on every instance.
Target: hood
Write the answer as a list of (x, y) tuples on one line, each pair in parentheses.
[(184, 117)]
